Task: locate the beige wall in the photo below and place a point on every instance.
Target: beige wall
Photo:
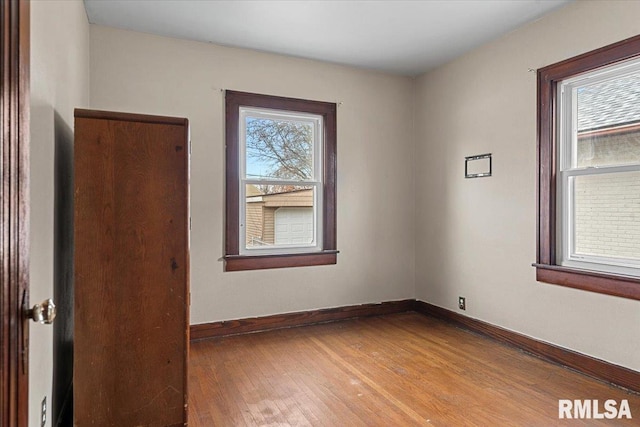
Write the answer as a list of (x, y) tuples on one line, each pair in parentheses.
[(149, 74), (477, 237), (59, 82)]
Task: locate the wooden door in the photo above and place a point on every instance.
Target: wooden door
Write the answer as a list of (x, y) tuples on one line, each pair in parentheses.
[(131, 270), (14, 211)]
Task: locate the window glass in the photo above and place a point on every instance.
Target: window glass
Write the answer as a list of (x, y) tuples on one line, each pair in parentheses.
[(607, 215), (606, 113), (279, 149), (280, 216), (280, 187)]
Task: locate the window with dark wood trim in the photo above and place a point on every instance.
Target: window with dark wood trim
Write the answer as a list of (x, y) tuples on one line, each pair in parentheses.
[(549, 265), (318, 184)]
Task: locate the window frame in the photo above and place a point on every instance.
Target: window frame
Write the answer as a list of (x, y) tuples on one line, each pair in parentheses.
[(237, 259), (314, 181), (548, 258), (569, 171)]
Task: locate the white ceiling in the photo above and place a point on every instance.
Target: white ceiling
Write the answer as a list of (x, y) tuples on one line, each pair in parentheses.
[(402, 37)]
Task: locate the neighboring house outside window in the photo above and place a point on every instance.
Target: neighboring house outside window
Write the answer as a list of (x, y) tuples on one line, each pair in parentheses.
[(284, 218), (280, 182), (589, 171), (606, 196)]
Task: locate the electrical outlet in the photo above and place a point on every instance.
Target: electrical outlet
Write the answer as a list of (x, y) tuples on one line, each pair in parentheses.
[(43, 412), (462, 303)]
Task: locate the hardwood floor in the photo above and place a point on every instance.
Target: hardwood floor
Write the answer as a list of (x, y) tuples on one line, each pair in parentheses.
[(396, 370)]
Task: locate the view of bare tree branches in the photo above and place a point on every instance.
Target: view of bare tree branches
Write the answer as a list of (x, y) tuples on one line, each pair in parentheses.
[(285, 146)]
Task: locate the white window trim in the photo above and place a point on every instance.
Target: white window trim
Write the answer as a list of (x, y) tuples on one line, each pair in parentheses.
[(315, 182), (567, 107)]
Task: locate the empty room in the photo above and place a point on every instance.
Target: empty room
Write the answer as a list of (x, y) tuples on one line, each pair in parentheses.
[(320, 213)]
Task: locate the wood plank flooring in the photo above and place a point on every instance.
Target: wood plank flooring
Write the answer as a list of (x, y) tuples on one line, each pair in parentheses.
[(396, 370)]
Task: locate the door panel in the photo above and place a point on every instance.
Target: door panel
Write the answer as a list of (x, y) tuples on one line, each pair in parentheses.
[(14, 211), (131, 273)]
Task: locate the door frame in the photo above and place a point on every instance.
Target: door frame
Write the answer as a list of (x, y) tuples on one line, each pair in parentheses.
[(14, 211)]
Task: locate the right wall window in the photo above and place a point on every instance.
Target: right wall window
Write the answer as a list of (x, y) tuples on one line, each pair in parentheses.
[(589, 171)]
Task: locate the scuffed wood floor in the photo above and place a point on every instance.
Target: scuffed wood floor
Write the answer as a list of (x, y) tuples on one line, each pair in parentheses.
[(397, 370)]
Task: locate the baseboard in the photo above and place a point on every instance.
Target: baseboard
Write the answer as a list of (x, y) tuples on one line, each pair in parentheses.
[(615, 374), (288, 320)]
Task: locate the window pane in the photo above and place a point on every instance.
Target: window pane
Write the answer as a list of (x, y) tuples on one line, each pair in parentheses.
[(608, 118), (278, 215), (607, 215), (279, 149)]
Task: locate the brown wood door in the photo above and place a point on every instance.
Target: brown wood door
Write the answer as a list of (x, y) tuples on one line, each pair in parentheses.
[(14, 211), (131, 270)]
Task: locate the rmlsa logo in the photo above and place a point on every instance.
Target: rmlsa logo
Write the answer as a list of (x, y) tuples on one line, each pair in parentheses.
[(591, 409)]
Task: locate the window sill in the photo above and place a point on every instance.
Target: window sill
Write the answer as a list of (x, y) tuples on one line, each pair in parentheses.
[(604, 283), (261, 262)]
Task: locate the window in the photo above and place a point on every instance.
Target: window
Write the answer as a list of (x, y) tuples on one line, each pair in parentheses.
[(280, 182), (589, 171)]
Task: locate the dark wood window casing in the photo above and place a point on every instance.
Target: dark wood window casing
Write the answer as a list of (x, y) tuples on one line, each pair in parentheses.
[(547, 268), (328, 255)]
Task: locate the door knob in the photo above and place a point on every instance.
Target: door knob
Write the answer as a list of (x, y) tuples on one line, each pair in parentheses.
[(43, 313)]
